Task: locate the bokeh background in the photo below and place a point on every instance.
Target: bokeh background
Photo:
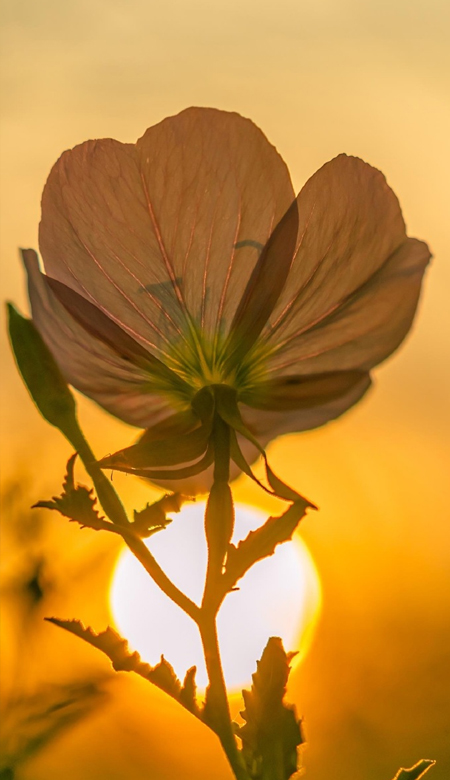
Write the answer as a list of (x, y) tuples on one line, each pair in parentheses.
[(320, 77)]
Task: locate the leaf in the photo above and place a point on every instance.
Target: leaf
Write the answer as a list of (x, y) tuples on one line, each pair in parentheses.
[(115, 647), (272, 733), (188, 693), (417, 771), (261, 543), (75, 502), (41, 374), (153, 517)]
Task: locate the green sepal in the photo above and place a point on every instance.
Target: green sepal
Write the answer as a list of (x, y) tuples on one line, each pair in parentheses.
[(181, 473), (263, 289), (116, 649), (227, 408), (155, 454), (152, 452), (41, 374), (417, 771)]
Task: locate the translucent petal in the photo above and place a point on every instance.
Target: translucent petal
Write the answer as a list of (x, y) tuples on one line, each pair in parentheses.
[(350, 223), (167, 231), (87, 363), (367, 326), (267, 425)]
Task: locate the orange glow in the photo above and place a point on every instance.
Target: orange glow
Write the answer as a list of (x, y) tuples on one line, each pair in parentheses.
[(320, 78)]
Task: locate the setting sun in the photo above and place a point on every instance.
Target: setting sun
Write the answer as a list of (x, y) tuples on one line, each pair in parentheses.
[(279, 597)]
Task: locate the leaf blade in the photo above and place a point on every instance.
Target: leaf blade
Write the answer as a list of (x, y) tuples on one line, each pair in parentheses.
[(415, 772)]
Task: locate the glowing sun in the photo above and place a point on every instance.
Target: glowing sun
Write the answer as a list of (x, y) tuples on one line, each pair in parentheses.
[(280, 596)]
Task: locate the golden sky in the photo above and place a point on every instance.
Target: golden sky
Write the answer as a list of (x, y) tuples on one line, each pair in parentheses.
[(319, 77)]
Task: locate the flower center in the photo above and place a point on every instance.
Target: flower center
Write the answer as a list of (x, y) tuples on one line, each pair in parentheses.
[(201, 362)]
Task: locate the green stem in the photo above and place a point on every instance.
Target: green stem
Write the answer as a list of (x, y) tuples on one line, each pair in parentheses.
[(219, 522), (217, 710), (152, 567), (114, 509), (107, 496)]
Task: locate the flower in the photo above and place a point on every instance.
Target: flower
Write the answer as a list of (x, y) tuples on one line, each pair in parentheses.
[(185, 261)]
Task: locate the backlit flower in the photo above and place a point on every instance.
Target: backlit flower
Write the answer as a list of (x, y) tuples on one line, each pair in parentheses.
[(185, 261)]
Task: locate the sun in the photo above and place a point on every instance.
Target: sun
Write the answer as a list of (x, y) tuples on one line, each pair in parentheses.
[(279, 596)]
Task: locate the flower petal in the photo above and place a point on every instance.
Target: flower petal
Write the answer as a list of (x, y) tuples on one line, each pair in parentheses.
[(297, 392), (267, 425), (350, 227), (89, 364), (366, 327), (166, 232), (215, 189)]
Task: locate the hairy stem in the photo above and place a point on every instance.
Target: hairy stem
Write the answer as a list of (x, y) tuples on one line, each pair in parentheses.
[(152, 567), (107, 496), (114, 509), (219, 522), (217, 711)]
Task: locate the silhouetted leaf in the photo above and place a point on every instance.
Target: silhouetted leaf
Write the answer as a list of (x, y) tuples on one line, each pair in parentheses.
[(417, 771), (75, 502), (153, 517), (188, 693), (261, 543), (116, 648), (272, 733)]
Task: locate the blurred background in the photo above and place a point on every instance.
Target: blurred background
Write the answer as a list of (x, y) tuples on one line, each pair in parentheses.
[(319, 77)]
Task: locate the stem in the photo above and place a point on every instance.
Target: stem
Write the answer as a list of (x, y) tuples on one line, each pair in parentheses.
[(217, 711), (107, 496), (152, 567), (219, 522), (219, 518), (114, 509)]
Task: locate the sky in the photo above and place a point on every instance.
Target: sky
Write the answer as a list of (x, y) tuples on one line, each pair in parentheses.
[(319, 77)]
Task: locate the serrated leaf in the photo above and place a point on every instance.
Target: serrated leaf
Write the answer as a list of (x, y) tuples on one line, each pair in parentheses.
[(41, 374), (188, 693), (154, 518), (261, 543), (75, 502), (272, 733), (417, 771), (116, 649)]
